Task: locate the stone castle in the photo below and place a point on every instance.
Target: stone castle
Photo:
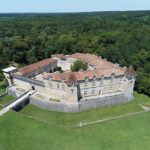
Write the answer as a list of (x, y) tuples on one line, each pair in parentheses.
[(103, 84)]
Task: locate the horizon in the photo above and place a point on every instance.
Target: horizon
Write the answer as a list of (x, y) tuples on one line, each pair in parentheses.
[(71, 6), (73, 12)]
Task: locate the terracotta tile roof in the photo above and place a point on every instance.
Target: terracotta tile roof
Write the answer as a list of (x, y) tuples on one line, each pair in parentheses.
[(95, 61), (35, 66), (61, 56), (102, 68), (81, 75)]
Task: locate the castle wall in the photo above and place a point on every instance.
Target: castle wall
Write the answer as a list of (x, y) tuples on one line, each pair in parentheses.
[(99, 87), (65, 65), (77, 94), (82, 106), (61, 91), (129, 87), (8, 78), (21, 83)]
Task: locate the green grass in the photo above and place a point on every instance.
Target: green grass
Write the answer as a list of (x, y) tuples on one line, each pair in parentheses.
[(87, 116), (19, 132), (6, 99), (2, 91)]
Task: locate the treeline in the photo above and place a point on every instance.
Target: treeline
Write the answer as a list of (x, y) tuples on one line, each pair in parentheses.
[(121, 37)]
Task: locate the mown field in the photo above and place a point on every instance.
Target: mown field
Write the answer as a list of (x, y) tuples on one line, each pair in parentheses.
[(20, 131), (87, 116), (5, 100)]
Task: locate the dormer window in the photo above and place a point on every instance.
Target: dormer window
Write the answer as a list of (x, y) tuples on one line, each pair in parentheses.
[(94, 77), (86, 78)]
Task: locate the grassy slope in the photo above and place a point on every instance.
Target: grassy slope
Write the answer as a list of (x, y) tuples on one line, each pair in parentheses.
[(6, 99), (2, 91), (130, 133), (90, 115)]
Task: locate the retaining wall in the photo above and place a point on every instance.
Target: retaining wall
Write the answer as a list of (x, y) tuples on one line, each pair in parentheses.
[(81, 106), (95, 103)]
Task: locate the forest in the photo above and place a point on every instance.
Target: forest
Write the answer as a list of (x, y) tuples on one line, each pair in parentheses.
[(121, 37)]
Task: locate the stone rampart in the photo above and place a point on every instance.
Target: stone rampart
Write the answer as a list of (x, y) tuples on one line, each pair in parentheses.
[(81, 106), (85, 105)]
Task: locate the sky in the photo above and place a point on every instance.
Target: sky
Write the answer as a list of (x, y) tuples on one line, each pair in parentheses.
[(72, 5)]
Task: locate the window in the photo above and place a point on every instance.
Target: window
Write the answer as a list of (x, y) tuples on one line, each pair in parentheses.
[(72, 90), (85, 93), (101, 82), (120, 80), (63, 86), (93, 91), (110, 88), (131, 82), (93, 83), (85, 84), (111, 81), (100, 92)]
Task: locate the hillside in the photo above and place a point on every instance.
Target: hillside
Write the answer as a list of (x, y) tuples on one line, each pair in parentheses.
[(35, 129)]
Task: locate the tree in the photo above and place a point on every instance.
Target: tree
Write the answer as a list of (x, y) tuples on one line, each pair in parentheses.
[(31, 58), (79, 65), (121, 37)]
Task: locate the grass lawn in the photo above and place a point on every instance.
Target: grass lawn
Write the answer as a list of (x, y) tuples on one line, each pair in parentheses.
[(87, 116), (2, 91), (129, 133), (6, 99), (21, 133)]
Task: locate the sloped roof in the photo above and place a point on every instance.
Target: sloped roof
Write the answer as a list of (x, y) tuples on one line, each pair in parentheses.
[(29, 68), (102, 68), (61, 56), (9, 69), (95, 61), (81, 75)]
